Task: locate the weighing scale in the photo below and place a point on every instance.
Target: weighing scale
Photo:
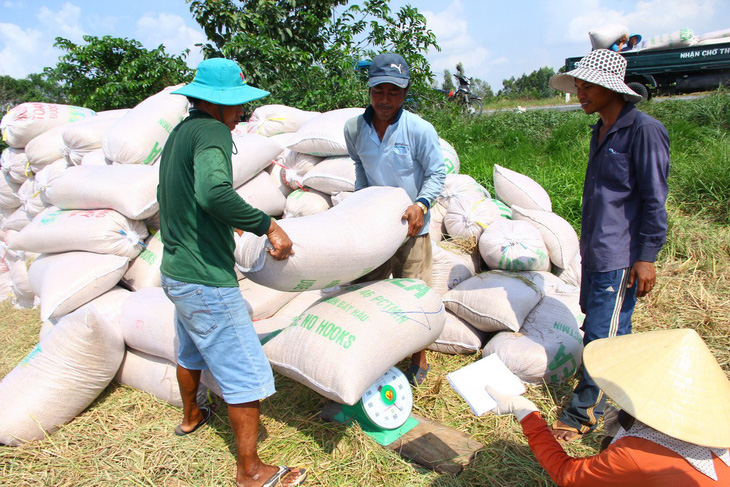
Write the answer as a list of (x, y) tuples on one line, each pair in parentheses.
[(384, 411)]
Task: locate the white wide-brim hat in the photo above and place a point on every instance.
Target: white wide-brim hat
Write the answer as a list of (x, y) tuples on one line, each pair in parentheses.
[(601, 67), (667, 379)]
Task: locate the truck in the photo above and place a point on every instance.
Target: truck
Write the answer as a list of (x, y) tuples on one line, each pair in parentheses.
[(652, 72)]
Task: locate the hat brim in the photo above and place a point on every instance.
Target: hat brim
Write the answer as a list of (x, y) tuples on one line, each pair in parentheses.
[(229, 96), (566, 82), (668, 380), (379, 80)]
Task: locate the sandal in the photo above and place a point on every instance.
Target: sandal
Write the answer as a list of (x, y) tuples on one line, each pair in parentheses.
[(283, 472), (207, 414), (560, 426), (417, 375)]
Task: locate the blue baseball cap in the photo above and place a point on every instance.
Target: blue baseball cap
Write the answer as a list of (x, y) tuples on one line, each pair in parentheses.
[(389, 68), (221, 81)]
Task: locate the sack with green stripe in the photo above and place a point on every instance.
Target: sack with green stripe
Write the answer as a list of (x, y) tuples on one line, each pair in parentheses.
[(341, 344)]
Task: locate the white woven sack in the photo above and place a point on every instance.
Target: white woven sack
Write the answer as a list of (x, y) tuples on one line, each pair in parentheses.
[(68, 280), (295, 166), (6, 288), (606, 35), (469, 215), (95, 158), (115, 113), (147, 322), (560, 238), (139, 136), (458, 337), (306, 203), (30, 197), (436, 228), (340, 345), (573, 273), (271, 120), (9, 193), (513, 246), (47, 148), (100, 231), (253, 153), (331, 176), (59, 378), (451, 158), (715, 34), (336, 246), (16, 221), (678, 38), (516, 189), (108, 305), (275, 174), (549, 345), (23, 295), (144, 270), (80, 138), (129, 189), (29, 120), (494, 300), (261, 193), (15, 165), (297, 306), (263, 302), (460, 185), (153, 375), (450, 267), (324, 135)]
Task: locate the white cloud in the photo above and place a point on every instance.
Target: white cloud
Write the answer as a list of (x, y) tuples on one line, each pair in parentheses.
[(171, 31), (24, 51), (65, 23), (457, 45)]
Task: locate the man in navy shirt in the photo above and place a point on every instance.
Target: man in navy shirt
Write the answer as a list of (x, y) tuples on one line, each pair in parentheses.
[(624, 220)]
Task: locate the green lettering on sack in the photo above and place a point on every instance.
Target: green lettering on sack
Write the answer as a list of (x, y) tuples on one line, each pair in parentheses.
[(149, 257), (564, 360), (165, 125), (309, 321), (420, 290), (304, 285), (360, 315), (156, 149)]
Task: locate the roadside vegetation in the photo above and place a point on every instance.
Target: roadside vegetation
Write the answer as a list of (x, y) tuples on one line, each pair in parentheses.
[(125, 438)]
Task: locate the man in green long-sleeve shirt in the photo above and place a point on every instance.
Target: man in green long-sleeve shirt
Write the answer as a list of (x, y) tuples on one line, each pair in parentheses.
[(199, 211)]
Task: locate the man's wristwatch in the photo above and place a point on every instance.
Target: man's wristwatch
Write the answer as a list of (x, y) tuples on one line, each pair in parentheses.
[(423, 207)]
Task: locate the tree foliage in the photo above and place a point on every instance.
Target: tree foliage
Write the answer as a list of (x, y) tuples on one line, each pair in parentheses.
[(34, 87), (305, 53), (448, 83), (534, 85), (112, 72)]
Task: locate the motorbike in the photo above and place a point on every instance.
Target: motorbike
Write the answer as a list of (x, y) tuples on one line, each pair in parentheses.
[(471, 103)]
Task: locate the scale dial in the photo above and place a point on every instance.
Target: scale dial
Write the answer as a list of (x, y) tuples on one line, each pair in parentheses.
[(389, 401)]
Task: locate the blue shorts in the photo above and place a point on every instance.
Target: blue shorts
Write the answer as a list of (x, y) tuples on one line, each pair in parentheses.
[(216, 333)]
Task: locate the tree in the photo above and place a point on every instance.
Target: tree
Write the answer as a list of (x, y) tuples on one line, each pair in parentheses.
[(35, 87), (533, 85), (305, 53), (112, 72), (448, 83), (481, 88)]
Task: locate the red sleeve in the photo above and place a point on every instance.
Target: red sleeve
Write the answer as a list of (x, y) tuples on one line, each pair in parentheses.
[(612, 467)]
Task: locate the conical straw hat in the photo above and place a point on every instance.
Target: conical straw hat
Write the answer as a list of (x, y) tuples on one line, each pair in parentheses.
[(668, 380)]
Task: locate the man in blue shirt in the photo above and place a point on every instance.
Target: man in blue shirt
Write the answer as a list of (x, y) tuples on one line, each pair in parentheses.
[(624, 220), (394, 147)]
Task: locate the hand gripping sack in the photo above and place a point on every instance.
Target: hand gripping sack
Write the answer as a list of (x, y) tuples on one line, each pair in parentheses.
[(335, 246), (28, 120), (513, 246), (268, 120), (494, 300), (324, 135), (139, 136), (100, 231), (129, 189), (59, 378), (68, 280), (516, 189), (340, 345), (560, 238)]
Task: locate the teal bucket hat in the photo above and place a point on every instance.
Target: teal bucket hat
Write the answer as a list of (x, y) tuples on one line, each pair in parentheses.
[(221, 81)]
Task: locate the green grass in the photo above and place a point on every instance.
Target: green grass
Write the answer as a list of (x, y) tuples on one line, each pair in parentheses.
[(125, 437)]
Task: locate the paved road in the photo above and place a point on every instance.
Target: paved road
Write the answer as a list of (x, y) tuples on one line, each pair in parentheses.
[(576, 106)]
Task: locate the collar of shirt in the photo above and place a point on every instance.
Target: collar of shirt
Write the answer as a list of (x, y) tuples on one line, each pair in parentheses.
[(370, 114), (625, 119)]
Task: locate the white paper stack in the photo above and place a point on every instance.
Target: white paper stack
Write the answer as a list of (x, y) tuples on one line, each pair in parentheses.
[(470, 381)]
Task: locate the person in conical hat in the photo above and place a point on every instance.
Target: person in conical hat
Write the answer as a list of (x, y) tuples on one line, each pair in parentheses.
[(674, 422), (623, 216), (199, 211)]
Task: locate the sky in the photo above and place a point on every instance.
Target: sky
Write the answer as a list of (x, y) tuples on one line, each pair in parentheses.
[(494, 40)]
